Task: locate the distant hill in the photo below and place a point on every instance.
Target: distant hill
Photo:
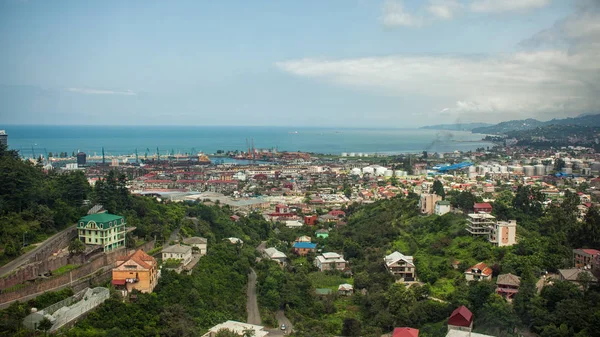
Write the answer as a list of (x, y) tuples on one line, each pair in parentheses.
[(528, 124), (456, 127)]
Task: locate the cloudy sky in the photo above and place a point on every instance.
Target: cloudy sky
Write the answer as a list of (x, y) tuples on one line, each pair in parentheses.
[(352, 63)]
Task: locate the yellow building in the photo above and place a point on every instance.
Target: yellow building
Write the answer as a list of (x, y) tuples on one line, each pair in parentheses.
[(136, 271)]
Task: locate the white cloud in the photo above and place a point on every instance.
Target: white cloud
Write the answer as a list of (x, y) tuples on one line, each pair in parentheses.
[(89, 91), (394, 14), (496, 6), (535, 82), (443, 9)]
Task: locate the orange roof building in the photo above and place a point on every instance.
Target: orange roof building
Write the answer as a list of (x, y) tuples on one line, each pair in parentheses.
[(137, 271)]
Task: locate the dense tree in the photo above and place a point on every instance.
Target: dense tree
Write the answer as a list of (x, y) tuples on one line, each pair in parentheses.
[(438, 188)]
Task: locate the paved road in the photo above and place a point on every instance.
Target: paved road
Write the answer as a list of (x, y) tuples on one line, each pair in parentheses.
[(280, 315), (16, 263), (252, 304)]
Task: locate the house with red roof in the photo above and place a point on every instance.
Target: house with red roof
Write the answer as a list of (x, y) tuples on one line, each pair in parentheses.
[(136, 271), (479, 272), (583, 257), (461, 319), (482, 207), (405, 332)]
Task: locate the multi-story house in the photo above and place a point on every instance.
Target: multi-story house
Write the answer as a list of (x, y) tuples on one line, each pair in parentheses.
[(275, 255), (503, 233), (197, 242), (102, 229), (401, 266), (427, 203), (507, 285), (442, 207), (303, 248), (137, 271), (479, 272), (480, 223), (330, 261), (178, 252), (586, 258)]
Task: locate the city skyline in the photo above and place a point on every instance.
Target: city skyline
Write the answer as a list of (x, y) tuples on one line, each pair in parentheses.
[(336, 63)]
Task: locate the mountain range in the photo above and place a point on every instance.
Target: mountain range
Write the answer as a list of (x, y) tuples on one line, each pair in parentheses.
[(519, 125)]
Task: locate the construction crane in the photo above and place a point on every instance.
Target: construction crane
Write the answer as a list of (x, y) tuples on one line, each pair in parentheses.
[(146, 155), (157, 154), (136, 156), (32, 153), (103, 158)]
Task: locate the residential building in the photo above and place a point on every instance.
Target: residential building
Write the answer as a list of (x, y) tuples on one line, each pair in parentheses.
[(576, 275), (178, 252), (136, 271), (303, 238), (310, 220), (405, 332), (275, 255), (322, 233), (479, 272), (480, 223), (102, 229), (401, 266), (238, 328), (3, 138), (427, 203), (507, 285), (442, 207), (197, 242), (461, 319), (459, 333), (345, 289), (330, 261), (303, 248), (482, 207), (235, 241), (293, 224), (503, 233), (586, 258)]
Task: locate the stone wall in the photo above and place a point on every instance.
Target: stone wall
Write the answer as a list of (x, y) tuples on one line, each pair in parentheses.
[(97, 270), (42, 261)]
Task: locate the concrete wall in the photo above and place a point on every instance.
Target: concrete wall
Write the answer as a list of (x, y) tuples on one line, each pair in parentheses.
[(97, 270)]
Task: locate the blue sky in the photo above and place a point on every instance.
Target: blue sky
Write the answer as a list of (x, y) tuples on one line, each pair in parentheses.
[(327, 63)]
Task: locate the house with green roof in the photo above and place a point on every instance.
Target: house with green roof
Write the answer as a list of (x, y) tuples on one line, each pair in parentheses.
[(102, 229)]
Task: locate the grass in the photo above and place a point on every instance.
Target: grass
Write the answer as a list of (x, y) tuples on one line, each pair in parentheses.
[(442, 288), (154, 251), (64, 269), (328, 280)]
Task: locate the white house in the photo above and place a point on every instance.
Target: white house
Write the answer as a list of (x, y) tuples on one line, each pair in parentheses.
[(330, 261), (238, 328), (503, 233), (197, 242), (401, 266), (442, 207), (275, 255), (178, 252)]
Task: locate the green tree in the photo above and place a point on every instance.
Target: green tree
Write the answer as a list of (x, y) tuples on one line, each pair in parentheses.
[(76, 246), (351, 327), (438, 188), (44, 325)]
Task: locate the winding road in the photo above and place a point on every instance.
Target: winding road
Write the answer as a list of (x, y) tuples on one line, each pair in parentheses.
[(252, 304)]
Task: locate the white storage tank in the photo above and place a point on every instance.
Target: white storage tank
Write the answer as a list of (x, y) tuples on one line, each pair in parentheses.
[(528, 170), (567, 170), (504, 169), (368, 170), (549, 169), (355, 171), (400, 173), (472, 169), (380, 170), (595, 167), (388, 173), (540, 170), (586, 171)]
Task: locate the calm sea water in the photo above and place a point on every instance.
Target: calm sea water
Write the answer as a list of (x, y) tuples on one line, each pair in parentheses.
[(185, 139)]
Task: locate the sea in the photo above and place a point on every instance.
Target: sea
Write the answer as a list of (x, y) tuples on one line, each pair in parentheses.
[(125, 140)]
